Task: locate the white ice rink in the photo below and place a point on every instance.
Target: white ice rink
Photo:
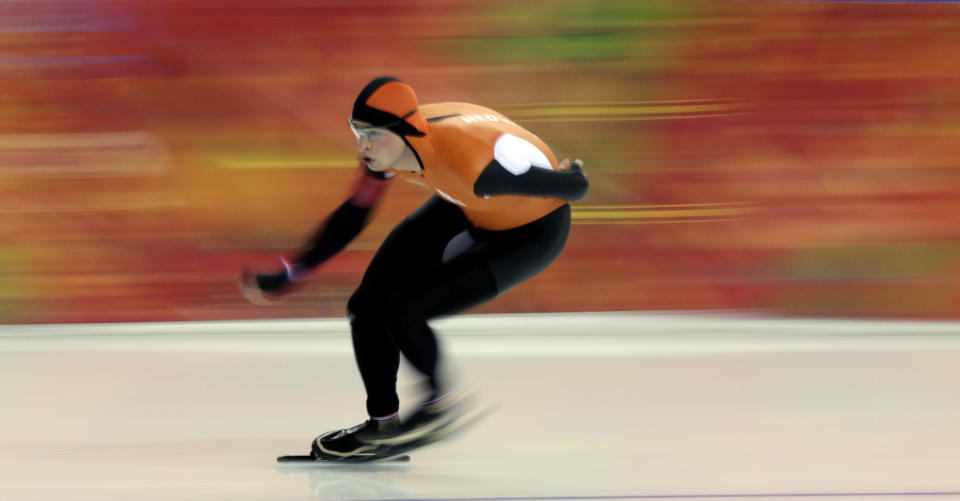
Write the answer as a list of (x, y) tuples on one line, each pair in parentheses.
[(589, 407)]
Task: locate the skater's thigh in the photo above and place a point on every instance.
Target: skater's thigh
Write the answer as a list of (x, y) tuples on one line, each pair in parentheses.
[(514, 256), (493, 264), (417, 243), (451, 287)]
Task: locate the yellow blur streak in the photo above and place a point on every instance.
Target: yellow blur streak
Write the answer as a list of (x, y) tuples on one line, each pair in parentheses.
[(621, 103), (622, 110), (610, 111), (660, 214), (656, 206), (626, 118), (639, 214), (670, 221), (231, 163)]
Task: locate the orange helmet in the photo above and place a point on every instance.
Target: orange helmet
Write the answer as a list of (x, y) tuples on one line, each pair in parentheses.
[(391, 104)]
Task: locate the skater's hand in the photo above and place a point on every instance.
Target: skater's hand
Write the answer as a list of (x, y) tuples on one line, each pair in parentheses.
[(263, 288), (575, 171), (575, 166)]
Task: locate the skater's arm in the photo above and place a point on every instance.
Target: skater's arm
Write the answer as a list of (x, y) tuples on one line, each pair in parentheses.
[(343, 225), (331, 236), (520, 168), (570, 184)]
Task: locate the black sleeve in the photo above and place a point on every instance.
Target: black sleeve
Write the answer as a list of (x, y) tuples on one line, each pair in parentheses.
[(343, 225), (570, 184)]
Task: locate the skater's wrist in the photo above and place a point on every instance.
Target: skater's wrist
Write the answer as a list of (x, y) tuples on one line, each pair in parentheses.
[(295, 272)]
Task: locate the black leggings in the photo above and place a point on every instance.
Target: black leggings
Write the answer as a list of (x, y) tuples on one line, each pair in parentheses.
[(432, 264)]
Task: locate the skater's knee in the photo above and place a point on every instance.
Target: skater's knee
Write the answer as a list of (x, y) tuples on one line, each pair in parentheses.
[(398, 313), (402, 316), (360, 305), (366, 319)]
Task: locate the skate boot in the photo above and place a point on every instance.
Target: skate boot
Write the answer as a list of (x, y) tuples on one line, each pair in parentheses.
[(427, 423), (346, 445)]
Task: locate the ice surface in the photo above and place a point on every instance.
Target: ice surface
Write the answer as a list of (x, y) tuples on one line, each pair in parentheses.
[(629, 406)]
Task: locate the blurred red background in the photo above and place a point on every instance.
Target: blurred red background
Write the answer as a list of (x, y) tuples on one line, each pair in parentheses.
[(781, 158)]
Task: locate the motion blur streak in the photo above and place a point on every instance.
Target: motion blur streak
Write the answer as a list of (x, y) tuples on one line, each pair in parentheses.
[(794, 158)]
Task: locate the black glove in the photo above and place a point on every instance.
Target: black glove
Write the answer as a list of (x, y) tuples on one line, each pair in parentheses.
[(263, 288), (272, 282)]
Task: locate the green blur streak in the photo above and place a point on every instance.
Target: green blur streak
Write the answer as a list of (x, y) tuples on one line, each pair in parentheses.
[(567, 48), (568, 32), (880, 261), (8, 293)]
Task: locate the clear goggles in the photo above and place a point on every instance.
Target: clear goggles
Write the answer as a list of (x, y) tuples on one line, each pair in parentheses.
[(373, 133), (367, 132)]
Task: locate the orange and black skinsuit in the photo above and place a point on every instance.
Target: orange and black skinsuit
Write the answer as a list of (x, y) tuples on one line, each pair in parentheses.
[(500, 215)]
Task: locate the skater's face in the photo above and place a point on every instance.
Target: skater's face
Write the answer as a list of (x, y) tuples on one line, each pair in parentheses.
[(379, 148)]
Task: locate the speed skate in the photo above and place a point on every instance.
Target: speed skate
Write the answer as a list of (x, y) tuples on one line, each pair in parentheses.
[(396, 453)]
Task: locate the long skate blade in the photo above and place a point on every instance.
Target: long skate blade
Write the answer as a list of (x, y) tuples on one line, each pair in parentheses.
[(306, 460)]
